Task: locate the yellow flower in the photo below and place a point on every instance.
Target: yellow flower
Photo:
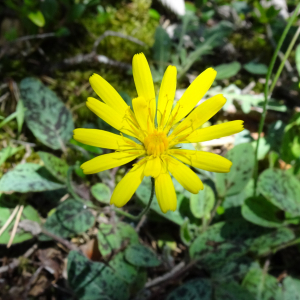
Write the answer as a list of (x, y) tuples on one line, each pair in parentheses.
[(157, 146)]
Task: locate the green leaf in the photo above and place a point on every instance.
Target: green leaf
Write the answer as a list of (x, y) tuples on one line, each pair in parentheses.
[(232, 291), (56, 166), (262, 285), (28, 177), (297, 58), (154, 14), (20, 115), (185, 232), (8, 152), (161, 47), (29, 213), (227, 241), (123, 269), (225, 71), (282, 189), (194, 289), (242, 158), (111, 237), (261, 212), (143, 192), (141, 256), (45, 115), (37, 18), (101, 192), (290, 149), (291, 288), (71, 217), (202, 203), (94, 280), (255, 68)]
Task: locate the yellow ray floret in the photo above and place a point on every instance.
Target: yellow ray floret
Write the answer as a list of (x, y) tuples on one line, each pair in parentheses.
[(155, 143)]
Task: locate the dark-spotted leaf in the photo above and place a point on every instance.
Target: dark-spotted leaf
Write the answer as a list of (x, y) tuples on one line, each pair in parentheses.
[(56, 166), (202, 203), (71, 217), (123, 269), (291, 288), (232, 291), (141, 256), (112, 237), (242, 157), (29, 213), (195, 289), (28, 177), (101, 192), (46, 116), (282, 189), (94, 280), (260, 211), (261, 285)]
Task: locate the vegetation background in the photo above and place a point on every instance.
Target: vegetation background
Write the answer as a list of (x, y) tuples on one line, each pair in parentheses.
[(59, 237)]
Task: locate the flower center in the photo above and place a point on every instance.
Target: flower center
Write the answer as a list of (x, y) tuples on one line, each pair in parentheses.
[(156, 143)]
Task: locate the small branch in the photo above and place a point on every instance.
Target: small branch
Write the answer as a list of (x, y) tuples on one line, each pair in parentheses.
[(15, 263), (118, 34), (33, 37)]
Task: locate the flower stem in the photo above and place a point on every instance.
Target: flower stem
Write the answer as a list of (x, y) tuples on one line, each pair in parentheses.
[(268, 91), (119, 211)]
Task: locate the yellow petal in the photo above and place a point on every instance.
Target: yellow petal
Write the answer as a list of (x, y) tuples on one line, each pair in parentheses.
[(200, 115), (166, 96), (165, 192), (184, 175), (104, 139), (215, 132), (142, 113), (203, 160), (109, 161), (108, 94), (153, 167), (143, 81), (127, 186), (193, 94), (111, 117)]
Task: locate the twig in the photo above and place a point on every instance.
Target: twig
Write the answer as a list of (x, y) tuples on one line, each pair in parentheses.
[(23, 143), (175, 272), (118, 34), (9, 219), (31, 281), (64, 242), (15, 263), (13, 233), (32, 37), (4, 97)]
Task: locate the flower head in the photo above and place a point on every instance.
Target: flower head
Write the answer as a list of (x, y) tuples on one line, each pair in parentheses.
[(157, 148)]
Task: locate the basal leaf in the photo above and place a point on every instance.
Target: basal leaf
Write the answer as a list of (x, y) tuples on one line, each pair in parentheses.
[(291, 288), (282, 189), (242, 157), (202, 203), (70, 218), (94, 280), (225, 71), (56, 166), (111, 237), (260, 211), (261, 285), (45, 115), (256, 68), (194, 289), (232, 291), (141, 256), (101, 192), (28, 177)]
